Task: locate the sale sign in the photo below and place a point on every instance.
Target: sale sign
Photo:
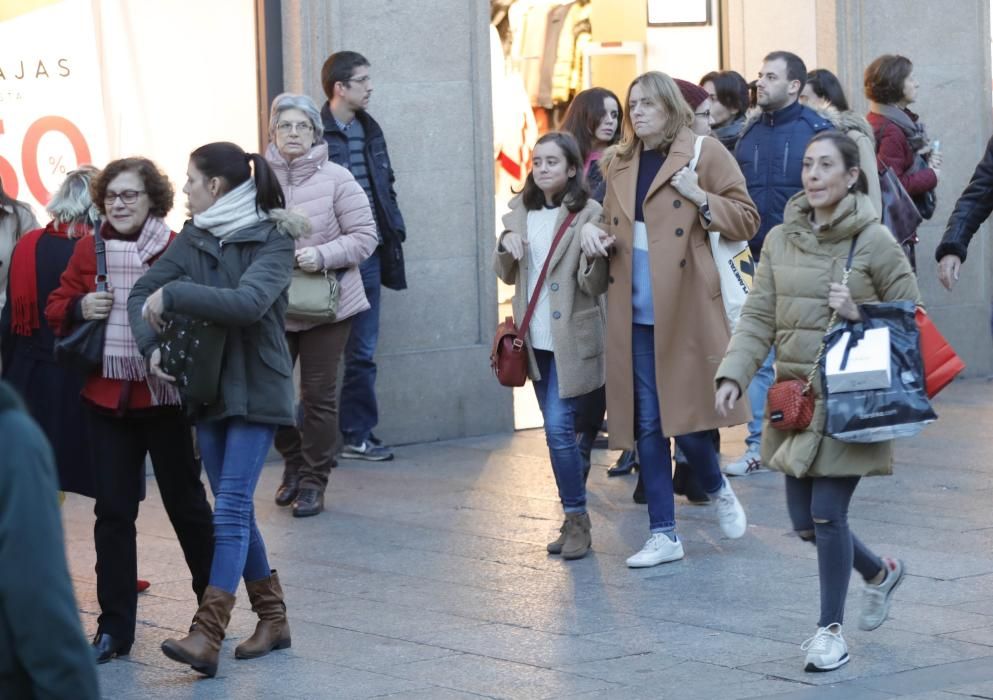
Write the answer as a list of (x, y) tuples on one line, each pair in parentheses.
[(51, 101)]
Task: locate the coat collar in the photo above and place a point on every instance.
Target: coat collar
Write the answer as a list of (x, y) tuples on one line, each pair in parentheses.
[(207, 242), (299, 169), (851, 216), (624, 174)]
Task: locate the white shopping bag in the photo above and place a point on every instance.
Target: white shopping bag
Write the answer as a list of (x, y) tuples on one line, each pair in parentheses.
[(858, 366), (734, 261)]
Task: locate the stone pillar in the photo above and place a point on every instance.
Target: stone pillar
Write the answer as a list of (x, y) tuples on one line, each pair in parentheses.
[(432, 96), (950, 47)]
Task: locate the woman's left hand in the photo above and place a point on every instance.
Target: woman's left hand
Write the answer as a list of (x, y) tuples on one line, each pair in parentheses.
[(153, 309), (686, 183), (840, 299), (309, 260)]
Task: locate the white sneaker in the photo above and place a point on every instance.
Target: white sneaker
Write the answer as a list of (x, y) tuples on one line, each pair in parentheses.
[(730, 514), (826, 650), (748, 463), (657, 550), (876, 599)]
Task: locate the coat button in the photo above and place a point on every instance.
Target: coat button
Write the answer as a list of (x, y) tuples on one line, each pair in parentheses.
[(682, 263), (677, 204), (554, 286), (556, 315), (679, 232), (610, 279), (615, 221)]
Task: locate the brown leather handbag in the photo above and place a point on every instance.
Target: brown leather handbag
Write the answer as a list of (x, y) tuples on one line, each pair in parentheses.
[(509, 357), (791, 402)]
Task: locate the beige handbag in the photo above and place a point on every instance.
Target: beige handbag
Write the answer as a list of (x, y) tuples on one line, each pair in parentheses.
[(314, 296)]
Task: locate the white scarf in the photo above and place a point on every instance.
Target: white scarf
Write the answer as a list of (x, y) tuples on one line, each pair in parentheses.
[(235, 210)]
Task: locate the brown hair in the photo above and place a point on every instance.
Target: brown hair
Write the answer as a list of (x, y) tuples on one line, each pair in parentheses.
[(157, 185), (575, 194), (662, 89), (585, 114), (884, 78)]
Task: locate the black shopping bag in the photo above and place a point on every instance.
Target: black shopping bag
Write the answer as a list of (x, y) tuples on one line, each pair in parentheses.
[(877, 415)]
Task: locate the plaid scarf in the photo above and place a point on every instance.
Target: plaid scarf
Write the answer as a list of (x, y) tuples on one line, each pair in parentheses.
[(127, 260)]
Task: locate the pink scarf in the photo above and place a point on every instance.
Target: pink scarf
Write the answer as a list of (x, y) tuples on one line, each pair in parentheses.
[(127, 260)]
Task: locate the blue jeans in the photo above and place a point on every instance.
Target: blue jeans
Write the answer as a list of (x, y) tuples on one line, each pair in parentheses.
[(233, 452), (653, 446), (758, 389), (358, 412), (560, 434)]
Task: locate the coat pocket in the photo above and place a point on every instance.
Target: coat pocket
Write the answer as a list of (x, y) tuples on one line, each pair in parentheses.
[(588, 333), (274, 353)]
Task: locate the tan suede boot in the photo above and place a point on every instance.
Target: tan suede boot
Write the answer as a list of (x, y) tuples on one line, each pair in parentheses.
[(577, 536), (273, 629), (202, 646), (555, 547)]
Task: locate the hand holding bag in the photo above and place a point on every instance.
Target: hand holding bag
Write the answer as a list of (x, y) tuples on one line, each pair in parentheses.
[(509, 357), (900, 408), (193, 353), (313, 296), (82, 349), (791, 402)]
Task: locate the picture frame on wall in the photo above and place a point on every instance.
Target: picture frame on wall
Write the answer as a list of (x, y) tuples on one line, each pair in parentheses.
[(678, 13)]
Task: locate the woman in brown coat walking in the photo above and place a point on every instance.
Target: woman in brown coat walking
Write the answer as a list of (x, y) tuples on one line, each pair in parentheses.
[(796, 287), (666, 324)]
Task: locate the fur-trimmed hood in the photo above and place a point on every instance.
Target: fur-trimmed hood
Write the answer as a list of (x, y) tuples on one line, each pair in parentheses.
[(847, 121), (290, 222)]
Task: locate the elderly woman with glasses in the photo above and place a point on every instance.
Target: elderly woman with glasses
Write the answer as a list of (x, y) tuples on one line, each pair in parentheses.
[(128, 412), (343, 234)]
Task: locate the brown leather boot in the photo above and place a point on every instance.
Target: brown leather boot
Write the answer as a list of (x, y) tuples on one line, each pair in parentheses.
[(577, 536), (202, 646), (273, 629)]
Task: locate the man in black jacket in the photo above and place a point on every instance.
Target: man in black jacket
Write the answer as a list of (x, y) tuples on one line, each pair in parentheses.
[(973, 207), (43, 653), (356, 141)]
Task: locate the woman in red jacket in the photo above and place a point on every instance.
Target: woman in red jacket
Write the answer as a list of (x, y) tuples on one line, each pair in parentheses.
[(902, 142), (128, 413)]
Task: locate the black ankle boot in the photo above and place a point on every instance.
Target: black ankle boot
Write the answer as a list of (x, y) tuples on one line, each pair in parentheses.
[(639, 491), (625, 464)]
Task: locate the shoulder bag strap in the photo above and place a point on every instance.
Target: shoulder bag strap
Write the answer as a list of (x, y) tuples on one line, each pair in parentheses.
[(834, 319), (101, 250), (523, 329)]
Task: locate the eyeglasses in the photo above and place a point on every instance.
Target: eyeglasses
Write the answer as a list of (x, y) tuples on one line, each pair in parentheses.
[(127, 196), (703, 114), (298, 127), (361, 81)]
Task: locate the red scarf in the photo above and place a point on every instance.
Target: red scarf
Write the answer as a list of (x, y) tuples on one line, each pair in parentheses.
[(24, 275)]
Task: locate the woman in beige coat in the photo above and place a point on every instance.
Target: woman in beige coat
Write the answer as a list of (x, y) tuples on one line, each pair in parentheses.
[(565, 337), (666, 325), (796, 288)]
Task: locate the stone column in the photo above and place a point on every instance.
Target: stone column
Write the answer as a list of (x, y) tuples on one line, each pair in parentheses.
[(949, 44), (432, 96)]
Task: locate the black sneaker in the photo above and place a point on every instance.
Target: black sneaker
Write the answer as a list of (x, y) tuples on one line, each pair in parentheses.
[(366, 450)]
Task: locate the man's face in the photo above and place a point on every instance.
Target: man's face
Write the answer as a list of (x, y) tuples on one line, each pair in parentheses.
[(356, 90), (775, 90)]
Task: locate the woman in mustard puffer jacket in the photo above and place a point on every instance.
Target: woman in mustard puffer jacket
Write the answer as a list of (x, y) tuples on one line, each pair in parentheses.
[(796, 287), (343, 234)]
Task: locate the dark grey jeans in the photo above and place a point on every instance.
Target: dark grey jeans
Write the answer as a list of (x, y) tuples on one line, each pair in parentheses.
[(818, 507)]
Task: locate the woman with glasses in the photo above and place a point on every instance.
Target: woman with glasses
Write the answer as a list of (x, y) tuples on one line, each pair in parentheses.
[(130, 413), (343, 234)]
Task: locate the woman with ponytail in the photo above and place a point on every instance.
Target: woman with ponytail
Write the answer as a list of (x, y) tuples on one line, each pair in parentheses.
[(231, 266)]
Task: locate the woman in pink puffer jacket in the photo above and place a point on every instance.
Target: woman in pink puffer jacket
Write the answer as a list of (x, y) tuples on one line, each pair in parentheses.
[(343, 235)]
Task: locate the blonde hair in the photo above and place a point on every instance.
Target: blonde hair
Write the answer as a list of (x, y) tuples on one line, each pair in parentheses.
[(662, 90)]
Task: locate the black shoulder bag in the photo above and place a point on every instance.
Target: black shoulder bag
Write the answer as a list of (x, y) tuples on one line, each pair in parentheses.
[(82, 349)]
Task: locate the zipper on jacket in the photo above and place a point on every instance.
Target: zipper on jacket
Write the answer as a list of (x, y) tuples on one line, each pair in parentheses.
[(786, 156), (755, 159)]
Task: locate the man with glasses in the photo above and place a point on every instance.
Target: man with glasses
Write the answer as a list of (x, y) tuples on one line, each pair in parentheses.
[(770, 153), (356, 141)]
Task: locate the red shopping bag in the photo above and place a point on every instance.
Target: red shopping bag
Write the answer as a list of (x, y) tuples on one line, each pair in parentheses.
[(941, 364)]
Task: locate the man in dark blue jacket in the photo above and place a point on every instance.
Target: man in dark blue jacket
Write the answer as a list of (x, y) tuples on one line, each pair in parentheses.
[(770, 153), (356, 141)]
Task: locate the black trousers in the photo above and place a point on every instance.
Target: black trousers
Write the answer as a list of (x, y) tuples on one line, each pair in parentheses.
[(119, 446)]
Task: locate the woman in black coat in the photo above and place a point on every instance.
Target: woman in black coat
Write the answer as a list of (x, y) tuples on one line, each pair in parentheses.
[(50, 391)]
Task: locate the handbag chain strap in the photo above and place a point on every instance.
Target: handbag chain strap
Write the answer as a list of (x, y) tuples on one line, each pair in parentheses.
[(526, 321), (834, 319)]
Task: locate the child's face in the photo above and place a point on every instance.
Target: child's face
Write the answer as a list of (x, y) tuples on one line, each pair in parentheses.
[(550, 168)]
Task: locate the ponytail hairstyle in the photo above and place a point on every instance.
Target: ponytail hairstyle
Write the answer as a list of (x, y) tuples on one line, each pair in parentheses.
[(233, 166)]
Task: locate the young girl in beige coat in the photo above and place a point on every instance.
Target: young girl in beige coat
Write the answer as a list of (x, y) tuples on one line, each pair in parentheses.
[(566, 337)]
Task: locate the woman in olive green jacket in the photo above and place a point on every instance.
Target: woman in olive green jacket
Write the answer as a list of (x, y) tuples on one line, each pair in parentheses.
[(796, 288)]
